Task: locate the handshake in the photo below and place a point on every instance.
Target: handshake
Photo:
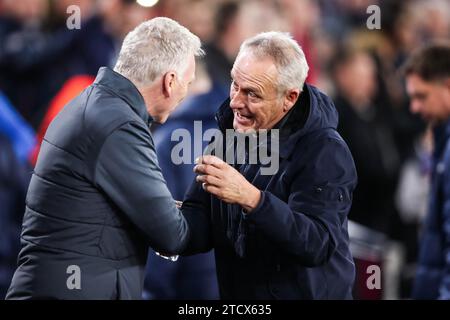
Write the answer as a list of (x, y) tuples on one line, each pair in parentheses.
[(224, 182), (171, 258)]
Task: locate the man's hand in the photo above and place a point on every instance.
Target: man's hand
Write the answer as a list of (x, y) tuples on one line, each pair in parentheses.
[(226, 183), (178, 204)]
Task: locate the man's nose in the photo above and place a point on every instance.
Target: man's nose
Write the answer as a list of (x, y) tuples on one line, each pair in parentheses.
[(415, 107), (236, 101)]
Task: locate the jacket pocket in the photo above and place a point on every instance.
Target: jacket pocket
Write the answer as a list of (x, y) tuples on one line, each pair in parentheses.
[(329, 193)]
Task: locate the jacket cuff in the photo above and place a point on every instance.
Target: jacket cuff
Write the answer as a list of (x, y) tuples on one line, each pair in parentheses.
[(246, 215)]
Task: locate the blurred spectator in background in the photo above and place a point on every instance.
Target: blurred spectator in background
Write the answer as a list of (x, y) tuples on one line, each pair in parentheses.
[(234, 22), (428, 86), (199, 15), (21, 36), (304, 29), (411, 199), (221, 51), (40, 53), (432, 18), (364, 126), (14, 178)]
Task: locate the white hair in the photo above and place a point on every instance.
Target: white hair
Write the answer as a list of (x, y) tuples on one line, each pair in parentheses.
[(286, 53), (153, 48)]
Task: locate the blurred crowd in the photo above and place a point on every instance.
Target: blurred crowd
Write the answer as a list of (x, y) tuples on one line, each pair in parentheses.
[(44, 64)]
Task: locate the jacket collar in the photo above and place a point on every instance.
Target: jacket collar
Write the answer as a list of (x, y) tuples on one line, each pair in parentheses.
[(441, 135), (124, 89)]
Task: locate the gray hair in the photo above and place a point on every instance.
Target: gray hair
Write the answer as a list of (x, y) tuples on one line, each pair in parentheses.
[(153, 48), (286, 53)]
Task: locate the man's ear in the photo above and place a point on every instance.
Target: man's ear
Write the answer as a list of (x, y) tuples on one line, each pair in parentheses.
[(168, 83), (290, 99)]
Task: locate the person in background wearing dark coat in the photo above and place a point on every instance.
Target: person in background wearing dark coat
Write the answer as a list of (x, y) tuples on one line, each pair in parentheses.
[(281, 235), (428, 86), (364, 125), (97, 198)]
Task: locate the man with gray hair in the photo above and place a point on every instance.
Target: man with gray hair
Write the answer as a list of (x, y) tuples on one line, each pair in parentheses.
[(97, 198), (283, 235)]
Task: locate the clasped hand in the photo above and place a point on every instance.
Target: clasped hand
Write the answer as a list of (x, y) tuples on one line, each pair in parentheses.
[(226, 183)]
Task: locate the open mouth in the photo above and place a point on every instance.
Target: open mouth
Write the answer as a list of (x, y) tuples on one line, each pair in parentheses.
[(242, 118)]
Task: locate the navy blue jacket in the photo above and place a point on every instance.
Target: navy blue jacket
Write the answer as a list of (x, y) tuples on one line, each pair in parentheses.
[(295, 244), (97, 199), (433, 272)]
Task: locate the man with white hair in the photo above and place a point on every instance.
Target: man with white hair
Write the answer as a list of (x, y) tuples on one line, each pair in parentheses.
[(97, 198), (282, 235)]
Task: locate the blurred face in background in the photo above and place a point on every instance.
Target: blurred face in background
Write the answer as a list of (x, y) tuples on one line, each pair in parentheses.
[(196, 15), (120, 17), (251, 18), (430, 99), (357, 79)]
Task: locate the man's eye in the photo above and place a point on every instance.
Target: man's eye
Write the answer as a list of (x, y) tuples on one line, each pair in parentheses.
[(252, 94)]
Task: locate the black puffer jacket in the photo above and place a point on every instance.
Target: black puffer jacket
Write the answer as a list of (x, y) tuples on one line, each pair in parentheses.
[(96, 200)]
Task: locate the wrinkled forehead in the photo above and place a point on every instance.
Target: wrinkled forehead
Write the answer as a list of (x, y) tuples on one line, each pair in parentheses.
[(250, 64)]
